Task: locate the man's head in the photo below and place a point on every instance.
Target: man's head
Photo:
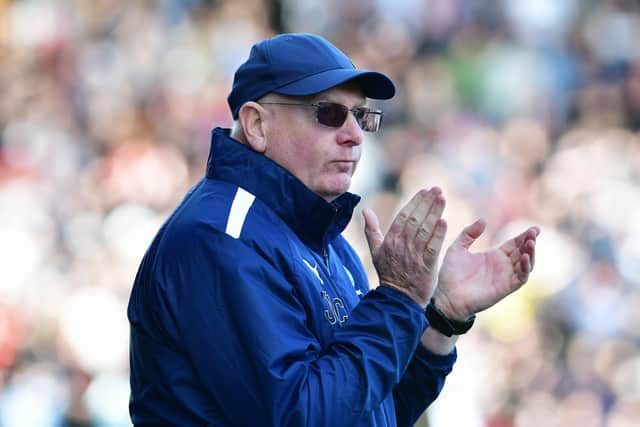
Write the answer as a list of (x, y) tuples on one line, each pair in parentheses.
[(300, 101), (300, 65)]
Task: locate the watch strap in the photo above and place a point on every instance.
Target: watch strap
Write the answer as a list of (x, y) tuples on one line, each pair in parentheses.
[(446, 326)]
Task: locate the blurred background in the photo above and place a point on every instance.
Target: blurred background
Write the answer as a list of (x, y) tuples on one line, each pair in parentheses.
[(524, 112)]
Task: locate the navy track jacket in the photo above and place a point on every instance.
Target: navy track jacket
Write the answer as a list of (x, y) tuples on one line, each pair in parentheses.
[(250, 309)]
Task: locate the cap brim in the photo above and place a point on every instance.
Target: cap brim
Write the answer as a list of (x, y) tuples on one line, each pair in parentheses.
[(375, 85)]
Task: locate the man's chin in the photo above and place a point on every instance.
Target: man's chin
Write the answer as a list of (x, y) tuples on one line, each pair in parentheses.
[(330, 194)]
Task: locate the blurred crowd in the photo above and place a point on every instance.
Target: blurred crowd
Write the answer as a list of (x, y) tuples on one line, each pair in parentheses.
[(524, 112)]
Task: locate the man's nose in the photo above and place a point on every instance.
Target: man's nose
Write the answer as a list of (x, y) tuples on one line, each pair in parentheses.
[(350, 131)]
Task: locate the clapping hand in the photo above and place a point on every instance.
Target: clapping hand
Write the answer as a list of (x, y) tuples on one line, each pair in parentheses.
[(471, 282), (406, 257)]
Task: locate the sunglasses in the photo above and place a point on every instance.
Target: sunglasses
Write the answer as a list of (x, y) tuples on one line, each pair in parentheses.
[(334, 115)]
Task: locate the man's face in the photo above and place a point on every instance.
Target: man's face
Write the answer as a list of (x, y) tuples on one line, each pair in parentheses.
[(324, 158)]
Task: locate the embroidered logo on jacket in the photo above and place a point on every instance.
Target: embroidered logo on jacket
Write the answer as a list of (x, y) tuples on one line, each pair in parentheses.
[(336, 311), (314, 269)]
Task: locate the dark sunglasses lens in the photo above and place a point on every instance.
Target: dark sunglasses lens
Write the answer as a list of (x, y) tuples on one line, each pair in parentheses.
[(333, 115)]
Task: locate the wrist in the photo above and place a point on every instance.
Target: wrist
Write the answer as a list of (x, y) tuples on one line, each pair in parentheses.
[(445, 306), (444, 324), (422, 302), (437, 343)]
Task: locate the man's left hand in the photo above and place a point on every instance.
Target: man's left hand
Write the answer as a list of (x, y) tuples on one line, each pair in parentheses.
[(471, 282)]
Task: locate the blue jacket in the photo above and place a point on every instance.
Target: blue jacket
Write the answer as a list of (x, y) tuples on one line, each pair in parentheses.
[(250, 309)]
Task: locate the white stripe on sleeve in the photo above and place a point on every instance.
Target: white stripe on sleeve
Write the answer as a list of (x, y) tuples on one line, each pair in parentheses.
[(239, 208)]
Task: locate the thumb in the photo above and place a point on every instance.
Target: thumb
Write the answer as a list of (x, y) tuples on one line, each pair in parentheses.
[(470, 233), (372, 230)]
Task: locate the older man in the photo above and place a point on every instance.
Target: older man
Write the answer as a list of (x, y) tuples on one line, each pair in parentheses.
[(251, 309)]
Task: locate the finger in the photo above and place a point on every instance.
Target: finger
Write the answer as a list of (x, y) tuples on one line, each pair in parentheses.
[(532, 252), (421, 210), (372, 230), (398, 224), (529, 234), (523, 243), (515, 246), (529, 248), (433, 247), (524, 268), (470, 234), (427, 228)]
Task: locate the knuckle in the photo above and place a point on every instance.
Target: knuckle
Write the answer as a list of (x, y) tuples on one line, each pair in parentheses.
[(431, 252)]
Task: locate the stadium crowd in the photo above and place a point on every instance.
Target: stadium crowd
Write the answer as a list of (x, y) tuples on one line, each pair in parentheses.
[(522, 112)]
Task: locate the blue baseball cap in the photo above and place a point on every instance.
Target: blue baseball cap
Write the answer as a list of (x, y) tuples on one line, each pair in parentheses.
[(300, 65)]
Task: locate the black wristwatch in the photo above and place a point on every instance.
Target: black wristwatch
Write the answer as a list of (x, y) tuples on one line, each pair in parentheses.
[(441, 323)]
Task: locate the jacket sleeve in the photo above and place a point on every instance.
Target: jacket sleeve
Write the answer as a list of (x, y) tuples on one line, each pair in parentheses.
[(241, 325), (421, 384)]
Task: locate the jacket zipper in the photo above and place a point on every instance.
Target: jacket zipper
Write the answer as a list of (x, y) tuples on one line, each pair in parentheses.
[(325, 253)]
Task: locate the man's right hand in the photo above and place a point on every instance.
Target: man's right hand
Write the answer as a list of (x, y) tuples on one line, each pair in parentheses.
[(406, 257)]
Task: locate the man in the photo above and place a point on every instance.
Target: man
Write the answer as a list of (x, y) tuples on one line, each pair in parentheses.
[(250, 309)]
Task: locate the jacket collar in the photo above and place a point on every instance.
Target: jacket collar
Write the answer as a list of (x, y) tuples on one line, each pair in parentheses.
[(310, 216)]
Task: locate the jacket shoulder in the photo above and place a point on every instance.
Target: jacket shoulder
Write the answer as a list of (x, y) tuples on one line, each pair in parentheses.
[(224, 217)]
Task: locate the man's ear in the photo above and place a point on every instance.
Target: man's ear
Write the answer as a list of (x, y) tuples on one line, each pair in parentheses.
[(251, 116)]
